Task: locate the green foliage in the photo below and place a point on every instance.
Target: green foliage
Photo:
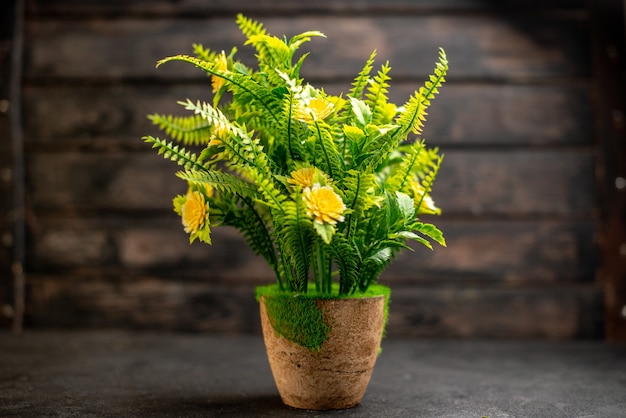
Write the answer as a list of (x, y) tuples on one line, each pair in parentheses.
[(190, 130), (414, 115), (327, 189)]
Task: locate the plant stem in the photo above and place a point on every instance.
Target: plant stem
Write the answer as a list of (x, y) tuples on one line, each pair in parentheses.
[(319, 136), (317, 270)]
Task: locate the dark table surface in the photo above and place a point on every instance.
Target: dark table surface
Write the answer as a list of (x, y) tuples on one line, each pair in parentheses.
[(124, 374)]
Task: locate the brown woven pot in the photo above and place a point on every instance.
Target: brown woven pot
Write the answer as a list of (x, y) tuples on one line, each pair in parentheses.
[(336, 376)]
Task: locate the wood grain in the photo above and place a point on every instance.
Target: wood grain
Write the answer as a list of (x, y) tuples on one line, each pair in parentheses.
[(478, 47), (516, 122), (204, 8), (107, 118), (561, 312), (609, 50), (470, 183), (498, 252)]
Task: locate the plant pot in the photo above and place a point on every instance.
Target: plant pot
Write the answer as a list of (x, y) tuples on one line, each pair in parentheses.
[(334, 375)]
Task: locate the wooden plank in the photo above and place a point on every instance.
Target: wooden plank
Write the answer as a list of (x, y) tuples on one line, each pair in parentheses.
[(609, 87), (520, 48), (144, 303), (154, 246), (509, 184), (470, 183), (199, 7), (114, 117), (561, 312), (6, 164), (509, 252), (512, 252)]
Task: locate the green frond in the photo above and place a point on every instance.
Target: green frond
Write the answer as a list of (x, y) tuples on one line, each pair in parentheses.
[(272, 53), (249, 27), (428, 174), (329, 158), (430, 231), (373, 266), (190, 130), (359, 189), (296, 41), (414, 115), (240, 84), (266, 101), (362, 79), (381, 142), (376, 97), (175, 152), (213, 117), (348, 261), (295, 133), (294, 229), (203, 53), (244, 151), (223, 182), (401, 179), (272, 195)]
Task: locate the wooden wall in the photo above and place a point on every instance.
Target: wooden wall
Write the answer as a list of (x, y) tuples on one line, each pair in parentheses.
[(517, 187)]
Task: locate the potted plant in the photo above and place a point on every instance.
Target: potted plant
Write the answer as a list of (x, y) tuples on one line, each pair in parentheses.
[(327, 189)]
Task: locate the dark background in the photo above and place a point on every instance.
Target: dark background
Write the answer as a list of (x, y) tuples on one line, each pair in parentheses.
[(530, 122)]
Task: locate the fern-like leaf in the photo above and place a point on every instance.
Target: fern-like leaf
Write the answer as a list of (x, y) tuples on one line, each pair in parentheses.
[(175, 153), (243, 151), (377, 96), (414, 115), (348, 260), (404, 174), (429, 174), (331, 161), (359, 189), (250, 27), (190, 130), (431, 231), (223, 182), (294, 229), (203, 53), (295, 132), (238, 83), (362, 79)]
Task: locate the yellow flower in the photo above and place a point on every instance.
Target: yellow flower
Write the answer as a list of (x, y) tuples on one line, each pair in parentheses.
[(307, 177), (195, 212), (221, 65), (323, 204), (302, 177), (308, 110)]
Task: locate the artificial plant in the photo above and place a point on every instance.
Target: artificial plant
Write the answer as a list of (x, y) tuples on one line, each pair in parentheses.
[(325, 188)]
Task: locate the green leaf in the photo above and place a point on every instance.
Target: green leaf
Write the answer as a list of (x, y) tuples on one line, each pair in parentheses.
[(414, 114), (361, 111), (431, 231), (406, 205), (325, 231), (353, 133), (381, 256)]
